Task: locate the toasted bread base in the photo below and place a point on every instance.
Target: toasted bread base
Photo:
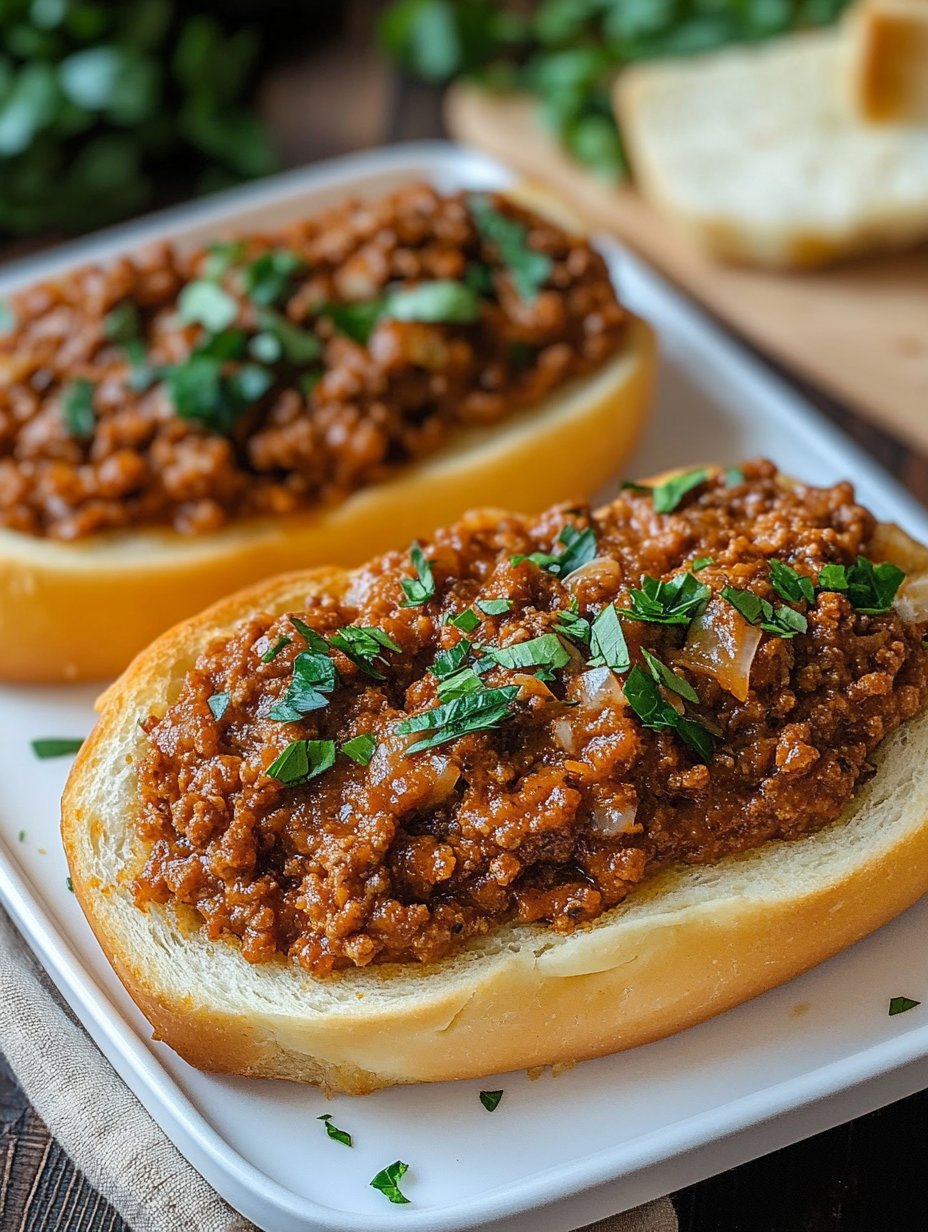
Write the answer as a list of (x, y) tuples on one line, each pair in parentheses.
[(80, 611), (687, 945)]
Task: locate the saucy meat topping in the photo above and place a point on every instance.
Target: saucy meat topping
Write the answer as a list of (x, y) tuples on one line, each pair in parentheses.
[(267, 374), (522, 719)]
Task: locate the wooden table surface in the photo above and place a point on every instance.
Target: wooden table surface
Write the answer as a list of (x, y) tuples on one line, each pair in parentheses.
[(866, 1176)]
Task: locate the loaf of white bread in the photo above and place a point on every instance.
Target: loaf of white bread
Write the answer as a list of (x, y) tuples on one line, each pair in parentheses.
[(763, 153)]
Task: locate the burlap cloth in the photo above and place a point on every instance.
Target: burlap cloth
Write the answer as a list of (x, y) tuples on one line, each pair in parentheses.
[(108, 1133)]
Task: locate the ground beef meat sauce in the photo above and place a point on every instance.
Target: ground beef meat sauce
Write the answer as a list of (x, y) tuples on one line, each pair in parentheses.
[(288, 797), (264, 375)]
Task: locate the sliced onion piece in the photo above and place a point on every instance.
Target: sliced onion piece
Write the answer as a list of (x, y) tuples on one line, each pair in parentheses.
[(612, 819), (722, 644), (599, 687), (600, 569), (912, 600), (564, 735)]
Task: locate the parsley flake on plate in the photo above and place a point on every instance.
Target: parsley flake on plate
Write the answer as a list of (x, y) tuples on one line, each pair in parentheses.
[(267, 280), (901, 1005), (791, 585), (204, 302), (301, 761), (677, 602), (669, 679), (448, 661), (570, 624), (494, 607), (421, 588), (470, 713), (528, 268), (700, 563), (275, 648), (870, 588), (55, 746), (490, 1099), (607, 641), (315, 641), (441, 301), (667, 496), (579, 549), (338, 1135), (121, 323), (218, 704), (782, 621), (544, 651), (467, 621), (364, 645), (461, 683), (387, 1181), (313, 678)]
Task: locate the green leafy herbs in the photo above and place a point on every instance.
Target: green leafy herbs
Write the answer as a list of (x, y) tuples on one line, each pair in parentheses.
[(669, 679), (643, 694), (579, 549), (338, 1135), (607, 641), (7, 317), (360, 749), (676, 602), (667, 496), (69, 883), (77, 409), (781, 620), (441, 301), (355, 320), (467, 621), (546, 651), (313, 679), (471, 713), (494, 607), (21, 836), (528, 268), (387, 1181), (901, 1005), (315, 641), (421, 588), (55, 746), (218, 704), (301, 761), (268, 279), (448, 661), (733, 476), (222, 256), (870, 588), (570, 624), (204, 302), (364, 646), (462, 683), (201, 389), (700, 563), (281, 339), (275, 648), (491, 1099), (791, 585), (122, 323)]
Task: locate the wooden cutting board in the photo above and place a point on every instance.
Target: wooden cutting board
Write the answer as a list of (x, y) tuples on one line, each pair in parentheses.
[(858, 330)]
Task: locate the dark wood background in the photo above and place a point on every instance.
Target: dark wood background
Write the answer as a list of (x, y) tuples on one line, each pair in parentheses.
[(867, 1176)]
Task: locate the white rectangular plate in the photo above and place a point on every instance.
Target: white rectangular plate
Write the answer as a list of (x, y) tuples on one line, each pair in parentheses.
[(609, 1133)]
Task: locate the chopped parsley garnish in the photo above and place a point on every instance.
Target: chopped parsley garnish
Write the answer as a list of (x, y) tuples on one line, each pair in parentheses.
[(900, 1005), (355, 320), (301, 761), (121, 323), (579, 549), (70, 884), (733, 476), (669, 679), (494, 607), (200, 389), (607, 641), (870, 588), (274, 650), (360, 749), (545, 651), (298, 346), (781, 620), (471, 713), (461, 683), (315, 641), (569, 623), (677, 602), (467, 621), (442, 300), (363, 645), (421, 588), (77, 409), (700, 563), (791, 585), (22, 836), (204, 302), (668, 495), (448, 661), (644, 696), (268, 278), (7, 317), (218, 704), (490, 1099), (339, 1135), (314, 677), (56, 746), (528, 268), (387, 1181), (222, 256)]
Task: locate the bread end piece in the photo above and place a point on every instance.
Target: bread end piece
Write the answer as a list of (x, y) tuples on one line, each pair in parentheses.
[(687, 945), (887, 61)]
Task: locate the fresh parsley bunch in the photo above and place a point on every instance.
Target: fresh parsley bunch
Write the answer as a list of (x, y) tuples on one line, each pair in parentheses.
[(567, 51), (102, 104)]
